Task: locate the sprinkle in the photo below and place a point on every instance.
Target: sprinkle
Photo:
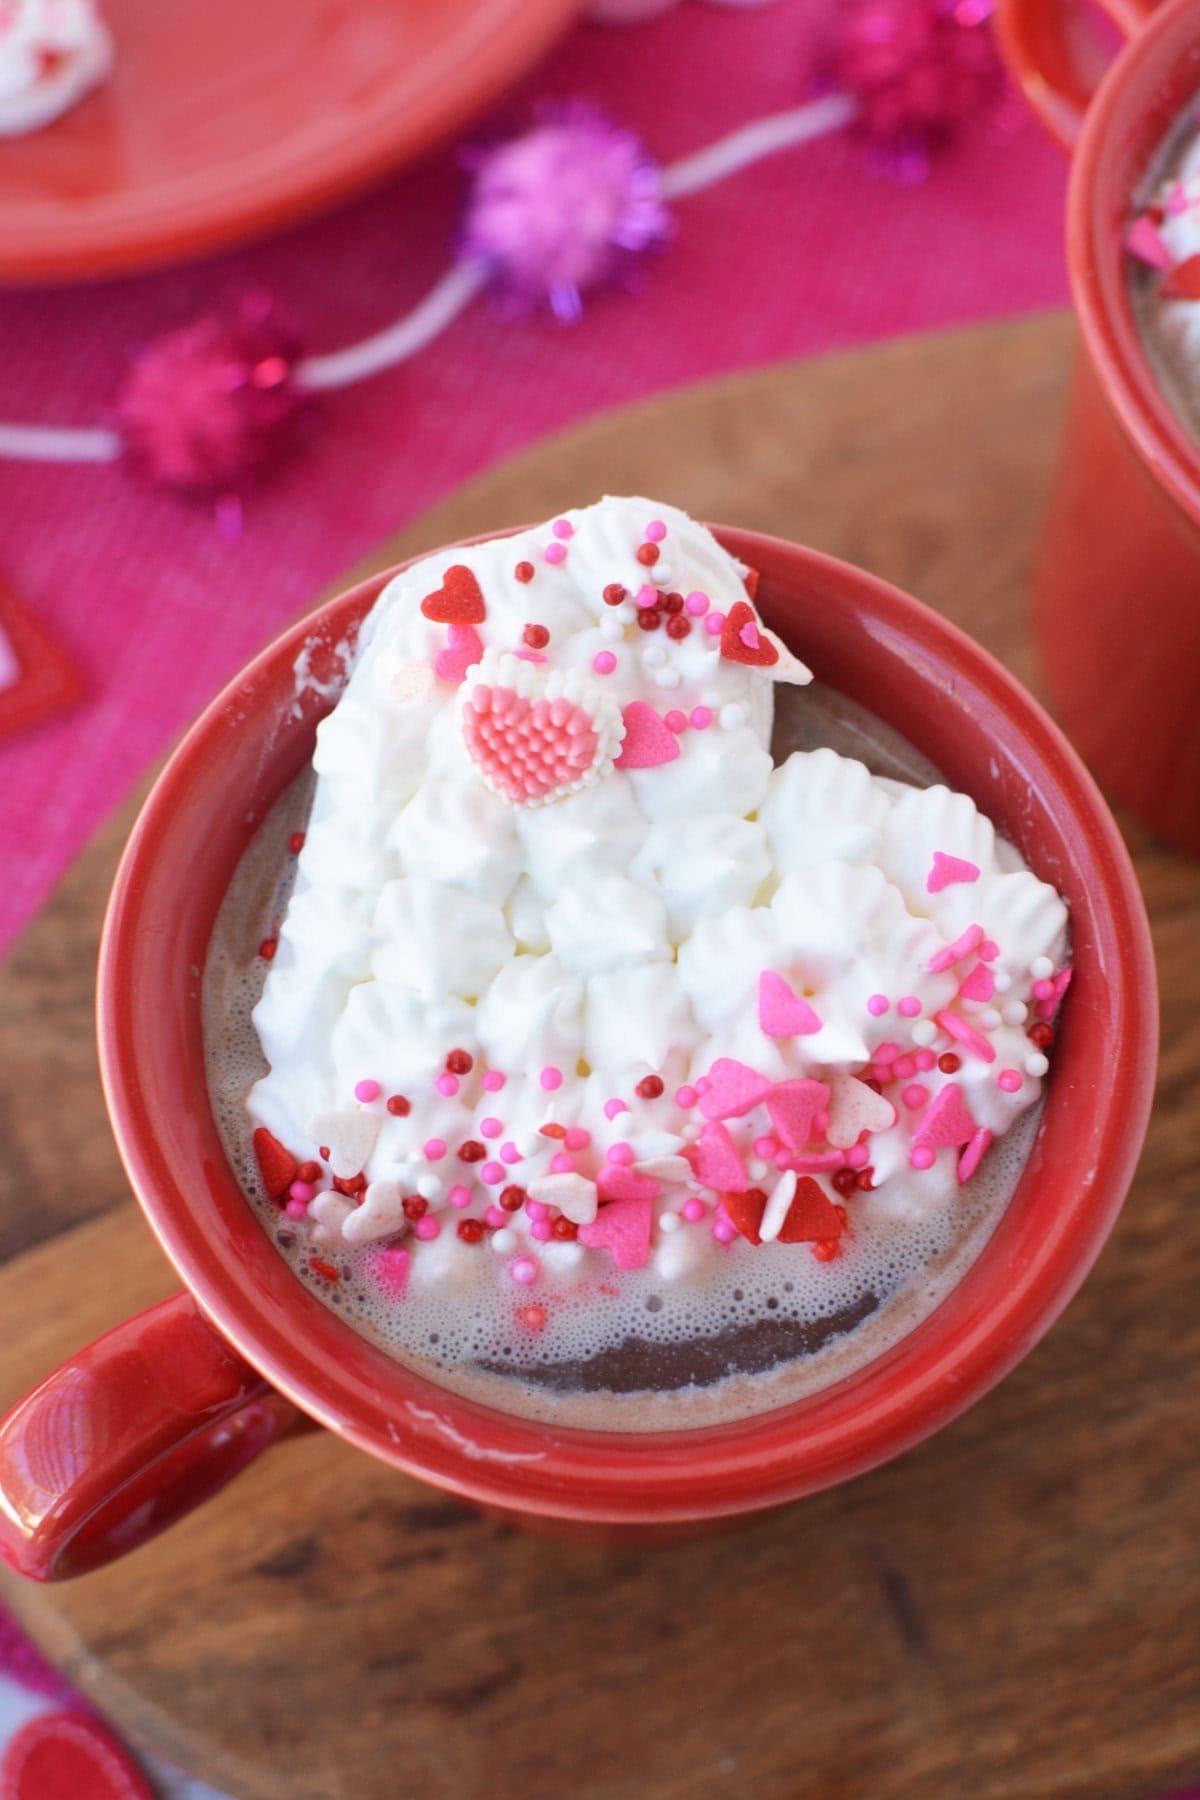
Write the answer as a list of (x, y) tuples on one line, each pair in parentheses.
[(398, 1106), (555, 553), (953, 953), (857, 1156), (267, 948), (604, 662), (542, 1230), (654, 657), (1036, 1064), (714, 624), (732, 716), (512, 1199), (701, 717), (523, 1270), (435, 1149), (669, 1222), (614, 593), (887, 1052), (915, 1095), (1043, 989), (649, 1088), (493, 1081), (562, 1163), (620, 1153), (978, 984), (1041, 968), (296, 842), (428, 1227), (948, 1063), (460, 1196), (766, 1146), (723, 1230), (924, 1032), (296, 1209), (1144, 241), (447, 1085), (656, 531), (988, 950), (563, 528), (509, 1153), (675, 721), (491, 1173), (613, 1107), (577, 1138), (686, 1097), (647, 555), (646, 596), (1009, 1080), (877, 1005), (969, 1161), (550, 1079), (988, 1019), (925, 1060), (490, 1128), (470, 1230), (504, 1240), (966, 1035), (903, 1067), (694, 1209), (524, 572), (431, 1187), (949, 869), (909, 1007), (302, 1191), (697, 603), (922, 1157), (1014, 1012)]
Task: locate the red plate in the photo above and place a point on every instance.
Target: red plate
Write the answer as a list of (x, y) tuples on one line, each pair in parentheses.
[(225, 118)]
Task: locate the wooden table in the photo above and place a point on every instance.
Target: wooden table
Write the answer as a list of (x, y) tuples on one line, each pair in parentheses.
[(1012, 1610)]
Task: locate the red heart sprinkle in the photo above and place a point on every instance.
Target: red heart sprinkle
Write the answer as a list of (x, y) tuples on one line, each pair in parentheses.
[(1183, 281), (459, 600), (746, 1212), (736, 647), (811, 1216), (276, 1165)]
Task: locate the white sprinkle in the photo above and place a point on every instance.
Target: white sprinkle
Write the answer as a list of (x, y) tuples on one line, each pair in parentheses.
[(756, 1169), (627, 612), (1003, 982), (654, 656), (732, 716), (504, 1240), (1036, 1063), (1015, 1012), (531, 1143), (1041, 968), (924, 1032), (431, 1187), (989, 1019), (690, 1131), (664, 574), (667, 678), (612, 629), (669, 1222)]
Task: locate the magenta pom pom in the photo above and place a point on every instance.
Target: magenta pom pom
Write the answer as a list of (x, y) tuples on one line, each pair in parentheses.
[(919, 69), (563, 208), (206, 407)]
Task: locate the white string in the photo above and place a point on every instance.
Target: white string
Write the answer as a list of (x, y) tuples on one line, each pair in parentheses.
[(457, 288), (762, 137), (59, 443), (461, 283)]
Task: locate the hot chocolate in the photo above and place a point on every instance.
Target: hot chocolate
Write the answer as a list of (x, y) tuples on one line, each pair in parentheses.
[(611, 1062), (1163, 243)]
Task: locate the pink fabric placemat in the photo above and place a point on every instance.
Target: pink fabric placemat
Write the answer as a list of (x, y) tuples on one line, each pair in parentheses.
[(806, 253)]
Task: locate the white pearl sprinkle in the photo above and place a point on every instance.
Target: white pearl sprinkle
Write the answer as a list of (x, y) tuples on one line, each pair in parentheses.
[(612, 630), (1036, 1063), (626, 612), (531, 1143), (667, 678), (924, 1032), (664, 574), (732, 716), (504, 1240), (989, 1019), (669, 1222), (1003, 982), (1041, 968), (1014, 1012), (431, 1187), (654, 656), (690, 1131), (756, 1169)]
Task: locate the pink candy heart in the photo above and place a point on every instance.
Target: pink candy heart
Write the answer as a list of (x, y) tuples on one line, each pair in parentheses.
[(616, 1181), (623, 1226), (781, 1011), (528, 748), (948, 869), (945, 1121), (733, 1088), (792, 1107), (853, 1109), (648, 742), (717, 1163), (463, 650)]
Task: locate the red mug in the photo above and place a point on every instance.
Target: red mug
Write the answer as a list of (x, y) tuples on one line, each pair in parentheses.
[(1116, 588), (139, 1427)]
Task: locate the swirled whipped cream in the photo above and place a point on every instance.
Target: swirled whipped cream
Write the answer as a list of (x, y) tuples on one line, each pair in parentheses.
[(52, 52), (577, 989)]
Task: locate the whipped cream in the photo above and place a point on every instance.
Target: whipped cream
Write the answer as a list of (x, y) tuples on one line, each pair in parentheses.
[(52, 52), (576, 988)]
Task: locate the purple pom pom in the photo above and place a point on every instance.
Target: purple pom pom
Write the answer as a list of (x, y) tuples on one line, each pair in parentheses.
[(205, 407), (563, 208), (918, 68)]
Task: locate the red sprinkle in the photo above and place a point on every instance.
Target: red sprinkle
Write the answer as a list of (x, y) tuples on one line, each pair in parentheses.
[(536, 636), (416, 1206), (678, 627), (460, 1062), (296, 842), (398, 1106), (949, 1063), (319, 1266), (825, 1249), (1041, 1034), (309, 1171), (647, 555), (471, 1151), (649, 1088), (552, 1130), (267, 948), (565, 1228), (672, 603), (614, 593), (512, 1199), (649, 618), (523, 571), (845, 1180), (864, 1181), (533, 1316), (470, 1230), (276, 1164), (350, 1185)]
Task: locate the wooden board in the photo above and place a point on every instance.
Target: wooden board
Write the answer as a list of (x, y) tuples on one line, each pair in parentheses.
[(1010, 1612)]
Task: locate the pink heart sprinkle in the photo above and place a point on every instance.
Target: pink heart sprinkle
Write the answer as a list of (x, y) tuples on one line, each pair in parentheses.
[(781, 1011), (1144, 241), (733, 1088), (617, 1182), (979, 984), (949, 869), (528, 748), (855, 1108), (463, 650), (945, 1121), (648, 741), (792, 1107), (717, 1163), (972, 1156), (623, 1227)]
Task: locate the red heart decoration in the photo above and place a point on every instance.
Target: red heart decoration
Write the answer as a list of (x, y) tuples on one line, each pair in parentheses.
[(746, 1212), (276, 1165), (459, 600), (811, 1216), (67, 1756), (1183, 281), (743, 639)]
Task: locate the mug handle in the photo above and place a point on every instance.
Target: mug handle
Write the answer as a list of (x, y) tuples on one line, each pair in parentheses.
[(126, 1437), (1057, 61)]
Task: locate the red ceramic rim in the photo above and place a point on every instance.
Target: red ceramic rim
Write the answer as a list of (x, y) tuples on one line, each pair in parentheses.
[(1138, 101), (990, 737)]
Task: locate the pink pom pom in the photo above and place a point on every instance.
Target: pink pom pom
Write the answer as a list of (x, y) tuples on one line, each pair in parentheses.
[(207, 406), (564, 208), (919, 69)]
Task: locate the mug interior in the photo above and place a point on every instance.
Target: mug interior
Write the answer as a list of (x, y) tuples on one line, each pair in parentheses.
[(958, 706), (1138, 102)]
